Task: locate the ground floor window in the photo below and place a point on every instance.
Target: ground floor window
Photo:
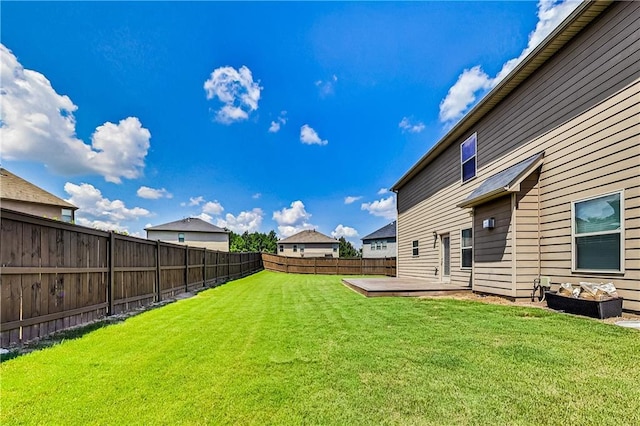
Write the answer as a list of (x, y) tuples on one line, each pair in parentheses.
[(597, 227), (415, 247), (466, 248)]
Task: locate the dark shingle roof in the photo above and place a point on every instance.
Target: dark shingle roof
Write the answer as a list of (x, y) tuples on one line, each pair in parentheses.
[(308, 236), (189, 224), (387, 231), (13, 187), (501, 183)]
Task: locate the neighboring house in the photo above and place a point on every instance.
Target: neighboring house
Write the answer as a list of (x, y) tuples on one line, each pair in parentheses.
[(192, 232), (542, 176), (309, 243), (23, 196), (381, 243)]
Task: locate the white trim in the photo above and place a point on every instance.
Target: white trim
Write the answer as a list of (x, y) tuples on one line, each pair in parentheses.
[(462, 247), (620, 231)]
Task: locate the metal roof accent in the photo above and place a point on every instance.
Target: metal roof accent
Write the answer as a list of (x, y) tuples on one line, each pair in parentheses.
[(583, 15), (387, 231), (308, 236), (189, 224), (503, 182), (13, 187)]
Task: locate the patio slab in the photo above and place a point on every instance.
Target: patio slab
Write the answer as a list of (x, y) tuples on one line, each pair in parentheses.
[(402, 287)]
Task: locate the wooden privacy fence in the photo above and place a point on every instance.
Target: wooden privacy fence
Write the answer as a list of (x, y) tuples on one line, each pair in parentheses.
[(56, 275), (330, 266)]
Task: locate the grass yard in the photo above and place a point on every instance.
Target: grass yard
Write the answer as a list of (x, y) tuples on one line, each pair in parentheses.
[(299, 349)]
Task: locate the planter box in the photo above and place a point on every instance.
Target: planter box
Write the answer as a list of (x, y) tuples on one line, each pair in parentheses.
[(590, 308)]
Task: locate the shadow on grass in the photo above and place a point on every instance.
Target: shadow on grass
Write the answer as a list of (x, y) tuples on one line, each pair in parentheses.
[(59, 337)]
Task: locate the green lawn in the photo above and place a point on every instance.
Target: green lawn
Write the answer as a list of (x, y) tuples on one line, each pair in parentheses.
[(295, 349)]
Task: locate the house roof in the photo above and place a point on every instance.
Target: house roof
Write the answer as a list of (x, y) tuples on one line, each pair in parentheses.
[(387, 231), (13, 187), (308, 236), (584, 14), (503, 182), (189, 224)]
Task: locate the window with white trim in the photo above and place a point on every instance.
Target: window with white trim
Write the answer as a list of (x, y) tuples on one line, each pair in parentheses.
[(301, 248), (468, 156), (67, 215), (384, 244), (466, 248), (281, 248), (415, 247), (295, 248), (181, 237), (373, 245), (597, 228)]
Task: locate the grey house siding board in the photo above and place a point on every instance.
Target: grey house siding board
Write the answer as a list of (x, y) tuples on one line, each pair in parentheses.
[(546, 99)]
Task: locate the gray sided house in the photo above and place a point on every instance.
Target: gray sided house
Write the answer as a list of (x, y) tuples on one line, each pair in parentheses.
[(542, 176), (309, 243), (380, 243), (191, 231), (23, 196)]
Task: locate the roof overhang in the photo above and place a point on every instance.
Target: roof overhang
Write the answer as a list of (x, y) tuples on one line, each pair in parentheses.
[(504, 182), (582, 16)]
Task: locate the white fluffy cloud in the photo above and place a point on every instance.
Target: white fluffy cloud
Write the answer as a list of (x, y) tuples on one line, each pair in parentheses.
[(351, 200), (96, 211), (279, 122), (193, 201), (256, 196), (407, 125), (153, 194), (37, 124), (212, 207), (384, 207), (292, 220), (344, 231), (473, 83), (382, 191), (310, 137), (248, 221), (236, 90)]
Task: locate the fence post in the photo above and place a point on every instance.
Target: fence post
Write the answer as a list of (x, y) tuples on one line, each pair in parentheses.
[(204, 268), (315, 265), (112, 250), (361, 266), (158, 274), (186, 268), (228, 266)]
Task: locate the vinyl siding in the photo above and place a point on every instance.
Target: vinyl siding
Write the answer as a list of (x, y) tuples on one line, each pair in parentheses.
[(310, 250), (44, 210), (211, 241), (581, 108), (493, 248), (390, 251)]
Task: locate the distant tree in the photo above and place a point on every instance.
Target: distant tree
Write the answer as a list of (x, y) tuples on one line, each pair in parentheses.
[(347, 249), (253, 242)]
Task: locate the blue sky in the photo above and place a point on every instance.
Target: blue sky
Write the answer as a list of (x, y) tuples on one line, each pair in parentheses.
[(253, 116)]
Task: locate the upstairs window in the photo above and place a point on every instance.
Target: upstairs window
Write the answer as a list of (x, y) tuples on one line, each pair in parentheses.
[(384, 244), (597, 226), (281, 248), (301, 248), (67, 215), (295, 248), (468, 150), (373, 245), (415, 247), (335, 248), (181, 237), (466, 247)]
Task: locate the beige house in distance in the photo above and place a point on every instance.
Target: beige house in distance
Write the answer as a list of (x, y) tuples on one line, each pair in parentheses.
[(542, 176), (23, 196), (192, 232), (309, 243)]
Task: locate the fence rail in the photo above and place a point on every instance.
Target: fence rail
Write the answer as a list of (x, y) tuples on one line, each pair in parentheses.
[(330, 266), (56, 275)]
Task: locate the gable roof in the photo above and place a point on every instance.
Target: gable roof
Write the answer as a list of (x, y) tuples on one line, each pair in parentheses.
[(13, 187), (503, 182), (189, 224), (309, 236), (387, 231), (582, 16)]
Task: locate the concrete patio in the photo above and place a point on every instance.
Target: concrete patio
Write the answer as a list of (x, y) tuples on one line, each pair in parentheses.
[(402, 287)]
